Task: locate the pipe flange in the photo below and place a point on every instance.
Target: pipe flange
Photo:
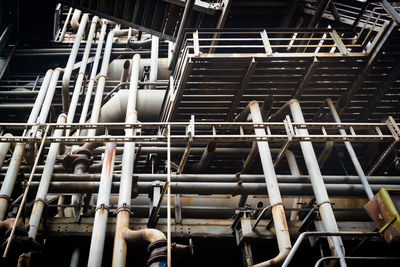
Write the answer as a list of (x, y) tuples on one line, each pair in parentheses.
[(103, 207), (5, 197), (124, 207), (324, 202), (157, 244), (38, 199), (158, 251)]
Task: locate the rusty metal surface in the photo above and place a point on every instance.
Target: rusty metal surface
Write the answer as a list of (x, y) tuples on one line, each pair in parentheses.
[(384, 211)]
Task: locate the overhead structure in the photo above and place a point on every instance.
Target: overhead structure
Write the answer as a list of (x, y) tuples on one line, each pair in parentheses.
[(199, 133)]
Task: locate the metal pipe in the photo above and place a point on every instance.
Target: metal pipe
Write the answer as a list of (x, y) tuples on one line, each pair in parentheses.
[(42, 104), (295, 171), (45, 180), (223, 188), (278, 212), (103, 202), (4, 147), (206, 157), (71, 61), (75, 258), (82, 69), (123, 79), (321, 195), (75, 20), (89, 91), (103, 77), (351, 152), (64, 29), (224, 178), (154, 60), (128, 157), (179, 37)]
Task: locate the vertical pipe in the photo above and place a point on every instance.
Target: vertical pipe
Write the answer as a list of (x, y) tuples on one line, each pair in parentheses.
[(125, 190), (71, 61), (317, 182), (42, 104), (169, 256), (278, 212), (89, 91), (4, 147), (75, 20), (45, 180), (351, 152), (64, 29), (154, 60), (101, 82), (82, 69), (103, 202), (75, 258)]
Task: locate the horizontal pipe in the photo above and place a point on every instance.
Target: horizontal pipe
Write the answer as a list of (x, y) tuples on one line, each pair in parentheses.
[(287, 189), (224, 178)]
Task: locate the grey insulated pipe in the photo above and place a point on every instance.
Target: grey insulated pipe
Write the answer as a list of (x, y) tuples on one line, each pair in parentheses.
[(75, 20), (4, 147), (82, 69), (44, 96), (321, 194), (154, 60), (103, 77), (45, 180), (71, 61), (278, 211), (103, 202), (128, 157), (352, 153), (89, 91)]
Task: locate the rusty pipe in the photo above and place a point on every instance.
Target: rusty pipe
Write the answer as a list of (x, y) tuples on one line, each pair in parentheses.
[(143, 235), (278, 212), (71, 61), (128, 157), (103, 202)]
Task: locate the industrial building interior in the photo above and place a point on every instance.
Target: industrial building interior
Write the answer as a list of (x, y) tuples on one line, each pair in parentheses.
[(199, 133)]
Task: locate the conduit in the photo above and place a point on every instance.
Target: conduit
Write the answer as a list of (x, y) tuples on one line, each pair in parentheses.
[(75, 20), (40, 200), (4, 147), (321, 195), (89, 91), (64, 29), (103, 202), (154, 60), (128, 157), (278, 212), (82, 69), (42, 105), (71, 61), (103, 77)]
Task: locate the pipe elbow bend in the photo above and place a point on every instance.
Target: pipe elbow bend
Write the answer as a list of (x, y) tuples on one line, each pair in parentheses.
[(277, 261), (143, 235)]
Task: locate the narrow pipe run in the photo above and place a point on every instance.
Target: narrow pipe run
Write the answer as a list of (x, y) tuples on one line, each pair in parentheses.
[(71, 61), (103, 202), (64, 29), (89, 91), (128, 157), (278, 211), (45, 180), (42, 105), (321, 194), (154, 60), (82, 69)]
